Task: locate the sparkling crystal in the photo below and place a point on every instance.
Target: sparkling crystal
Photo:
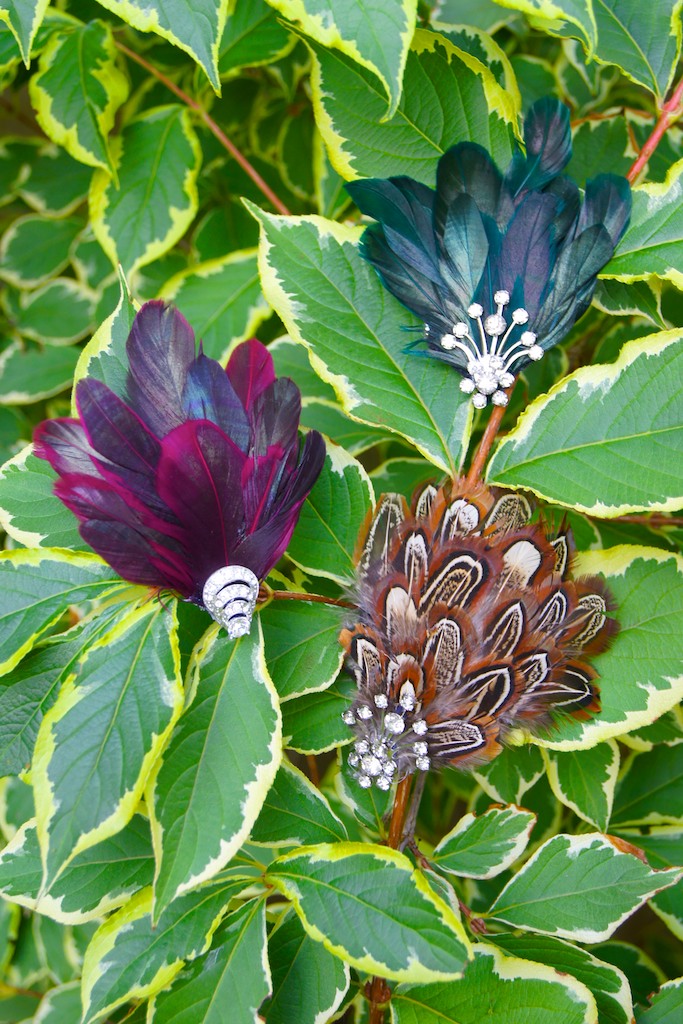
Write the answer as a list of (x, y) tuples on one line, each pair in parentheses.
[(364, 712), (364, 781), (420, 747), (381, 700), (506, 380), (394, 723), (427, 328), (475, 310), (496, 362), (478, 401), (527, 338), (467, 385), (420, 727), (501, 298), (520, 316), (535, 353), (495, 325), (486, 383), (390, 768), (448, 342), (499, 398), (383, 783), (354, 759), (460, 330), (422, 763), (407, 699), (362, 746), (371, 765), (349, 717), (379, 748)]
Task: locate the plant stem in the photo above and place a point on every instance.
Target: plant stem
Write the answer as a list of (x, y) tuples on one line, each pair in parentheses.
[(293, 595), (653, 519), (232, 149), (480, 456), (671, 111)]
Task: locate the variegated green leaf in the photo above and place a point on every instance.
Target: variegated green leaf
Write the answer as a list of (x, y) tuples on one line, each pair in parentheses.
[(55, 183), (97, 744), (666, 1005), (253, 35), (157, 160), (332, 302), (221, 299), (302, 649), (24, 18), (104, 357), (78, 90), (580, 445), (131, 957), (96, 882), (58, 313), (312, 724), (29, 375), (649, 791), (584, 780), (484, 846), (29, 511), (504, 989), (326, 535), (579, 887), (449, 96), (374, 910), (374, 36), (295, 813), (234, 974), (219, 764), (196, 26), (510, 775), (34, 249)]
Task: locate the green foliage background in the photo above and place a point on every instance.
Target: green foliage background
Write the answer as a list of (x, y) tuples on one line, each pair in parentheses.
[(163, 859)]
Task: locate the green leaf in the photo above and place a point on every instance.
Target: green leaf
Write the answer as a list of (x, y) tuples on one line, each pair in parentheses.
[(371, 807), (370, 907), (196, 26), (313, 724), (58, 313), (157, 160), (35, 249), (448, 97), (308, 982), (104, 357), (292, 360), (24, 18), (649, 791), (253, 35), (233, 978), (643, 974), (584, 780), (97, 744), (221, 299), (637, 298), (131, 957), (218, 766), (326, 535), (302, 649), (497, 988), (653, 242), (484, 846), (666, 1005), (78, 90), (510, 775), (402, 476), (56, 183), (640, 675), (607, 983), (598, 144), (29, 375), (579, 887), (374, 36), (37, 588), (90, 261), (31, 688), (579, 444), (333, 302), (29, 511), (663, 848), (96, 882), (61, 1004), (645, 49), (328, 418), (295, 813)]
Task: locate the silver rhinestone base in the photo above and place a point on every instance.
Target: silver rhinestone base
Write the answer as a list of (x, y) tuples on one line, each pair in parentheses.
[(229, 597)]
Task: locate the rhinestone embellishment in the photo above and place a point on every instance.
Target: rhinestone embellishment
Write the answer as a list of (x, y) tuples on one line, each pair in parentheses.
[(229, 596)]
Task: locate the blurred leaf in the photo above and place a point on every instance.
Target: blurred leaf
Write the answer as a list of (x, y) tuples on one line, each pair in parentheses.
[(584, 780), (61, 1004), (332, 302), (347, 895), (218, 766), (599, 144), (24, 18), (578, 887), (649, 792), (578, 446), (448, 97), (78, 90), (157, 160), (34, 249), (97, 744), (55, 183), (58, 313), (28, 375), (253, 35), (666, 1006)]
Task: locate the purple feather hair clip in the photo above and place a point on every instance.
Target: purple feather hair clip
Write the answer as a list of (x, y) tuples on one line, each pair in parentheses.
[(193, 479)]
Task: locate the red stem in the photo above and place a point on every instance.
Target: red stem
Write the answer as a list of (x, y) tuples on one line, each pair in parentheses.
[(293, 595), (481, 454), (671, 111), (212, 126)]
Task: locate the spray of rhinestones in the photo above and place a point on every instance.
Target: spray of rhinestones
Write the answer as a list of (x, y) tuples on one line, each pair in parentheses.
[(491, 357), (388, 737)]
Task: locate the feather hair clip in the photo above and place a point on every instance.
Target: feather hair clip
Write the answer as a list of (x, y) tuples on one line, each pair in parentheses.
[(470, 624)]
